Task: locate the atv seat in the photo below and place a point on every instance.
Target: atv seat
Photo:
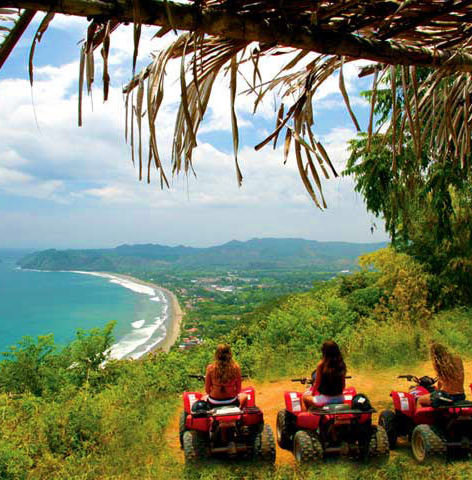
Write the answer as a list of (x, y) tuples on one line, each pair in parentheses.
[(331, 408), (227, 410), (338, 409), (461, 404)]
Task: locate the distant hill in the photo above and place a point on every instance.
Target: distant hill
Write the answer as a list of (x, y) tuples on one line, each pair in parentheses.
[(258, 254)]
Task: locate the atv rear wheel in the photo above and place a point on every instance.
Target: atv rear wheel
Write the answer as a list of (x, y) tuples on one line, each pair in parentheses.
[(426, 443), (378, 446), (388, 421), (182, 421), (307, 447), (195, 446), (283, 434), (264, 445)]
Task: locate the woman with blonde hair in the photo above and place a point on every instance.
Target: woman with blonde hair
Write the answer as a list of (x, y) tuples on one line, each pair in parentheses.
[(223, 379), (450, 372)]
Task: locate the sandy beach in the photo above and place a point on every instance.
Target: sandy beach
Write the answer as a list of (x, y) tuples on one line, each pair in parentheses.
[(174, 319)]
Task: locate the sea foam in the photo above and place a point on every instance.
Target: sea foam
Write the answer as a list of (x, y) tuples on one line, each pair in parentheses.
[(142, 338)]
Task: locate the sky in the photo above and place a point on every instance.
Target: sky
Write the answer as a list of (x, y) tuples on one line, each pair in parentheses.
[(62, 186)]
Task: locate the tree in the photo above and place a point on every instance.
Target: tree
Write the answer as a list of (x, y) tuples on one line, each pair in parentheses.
[(88, 352), (426, 205), (27, 365)]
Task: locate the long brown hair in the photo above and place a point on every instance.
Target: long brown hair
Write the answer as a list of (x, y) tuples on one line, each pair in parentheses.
[(225, 367), (443, 361), (333, 366)]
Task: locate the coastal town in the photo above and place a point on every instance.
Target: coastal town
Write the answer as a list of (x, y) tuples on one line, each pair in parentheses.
[(214, 300)]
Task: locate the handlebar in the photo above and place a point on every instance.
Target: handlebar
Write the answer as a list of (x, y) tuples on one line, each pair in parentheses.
[(305, 380), (202, 377), (302, 380), (424, 381)]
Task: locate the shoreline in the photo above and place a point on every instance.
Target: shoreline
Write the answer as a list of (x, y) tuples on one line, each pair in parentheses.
[(173, 322), (174, 318)]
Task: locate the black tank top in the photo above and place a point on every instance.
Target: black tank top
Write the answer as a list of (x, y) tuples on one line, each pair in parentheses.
[(331, 386)]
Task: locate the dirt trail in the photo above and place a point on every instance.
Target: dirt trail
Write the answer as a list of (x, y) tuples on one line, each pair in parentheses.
[(375, 384)]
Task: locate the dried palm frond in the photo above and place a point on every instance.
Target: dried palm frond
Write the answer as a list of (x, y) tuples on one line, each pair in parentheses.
[(435, 112), (37, 38), (14, 24)]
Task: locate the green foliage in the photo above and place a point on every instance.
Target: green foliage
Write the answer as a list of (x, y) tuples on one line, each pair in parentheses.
[(87, 353), (426, 205), (385, 344), (28, 367), (405, 287), (14, 462), (67, 414), (454, 328), (364, 300)]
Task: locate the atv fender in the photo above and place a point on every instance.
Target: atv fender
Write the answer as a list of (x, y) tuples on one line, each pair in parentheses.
[(189, 399), (251, 396), (293, 401), (252, 416), (349, 393), (404, 403), (307, 421), (201, 424)]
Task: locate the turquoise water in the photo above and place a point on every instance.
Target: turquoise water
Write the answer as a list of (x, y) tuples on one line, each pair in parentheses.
[(38, 303)]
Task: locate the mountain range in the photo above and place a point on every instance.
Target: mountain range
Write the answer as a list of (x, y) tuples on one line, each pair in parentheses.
[(258, 253)]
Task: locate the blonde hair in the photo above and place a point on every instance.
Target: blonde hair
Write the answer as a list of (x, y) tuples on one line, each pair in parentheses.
[(225, 367), (443, 361)]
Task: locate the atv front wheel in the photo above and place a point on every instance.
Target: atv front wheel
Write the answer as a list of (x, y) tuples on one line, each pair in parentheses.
[(378, 446), (182, 421), (195, 446), (307, 448), (388, 421), (264, 445), (283, 434), (426, 443)]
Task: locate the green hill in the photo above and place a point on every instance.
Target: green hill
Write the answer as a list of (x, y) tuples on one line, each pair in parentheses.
[(258, 253)]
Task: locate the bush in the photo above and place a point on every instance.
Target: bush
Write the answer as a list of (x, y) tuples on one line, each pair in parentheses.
[(387, 344), (454, 328), (14, 462)]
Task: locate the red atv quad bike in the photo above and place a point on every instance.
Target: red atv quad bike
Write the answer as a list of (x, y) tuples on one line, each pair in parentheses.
[(345, 428), (206, 430), (433, 432)]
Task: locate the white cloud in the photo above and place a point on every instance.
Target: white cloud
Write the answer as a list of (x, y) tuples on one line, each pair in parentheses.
[(17, 183), (89, 168)]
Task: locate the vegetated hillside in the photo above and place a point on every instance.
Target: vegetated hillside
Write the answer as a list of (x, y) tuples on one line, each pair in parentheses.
[(65, 415), (257, 253)]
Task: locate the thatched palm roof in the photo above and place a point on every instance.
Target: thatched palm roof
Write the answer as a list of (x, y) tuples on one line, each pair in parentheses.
[(219, 36)]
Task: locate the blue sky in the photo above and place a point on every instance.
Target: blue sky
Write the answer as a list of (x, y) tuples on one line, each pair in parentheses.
[(63, 186)]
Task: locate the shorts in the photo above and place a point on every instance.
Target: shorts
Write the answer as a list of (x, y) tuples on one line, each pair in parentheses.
[(320, 400), (225, 401)]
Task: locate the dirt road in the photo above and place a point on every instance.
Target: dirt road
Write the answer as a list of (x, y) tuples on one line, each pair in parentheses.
[(375, 384)]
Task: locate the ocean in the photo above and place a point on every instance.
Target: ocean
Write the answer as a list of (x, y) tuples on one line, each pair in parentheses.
[(36, 303)]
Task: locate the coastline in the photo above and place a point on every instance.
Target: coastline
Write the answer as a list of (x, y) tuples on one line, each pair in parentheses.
[(174, 319)]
